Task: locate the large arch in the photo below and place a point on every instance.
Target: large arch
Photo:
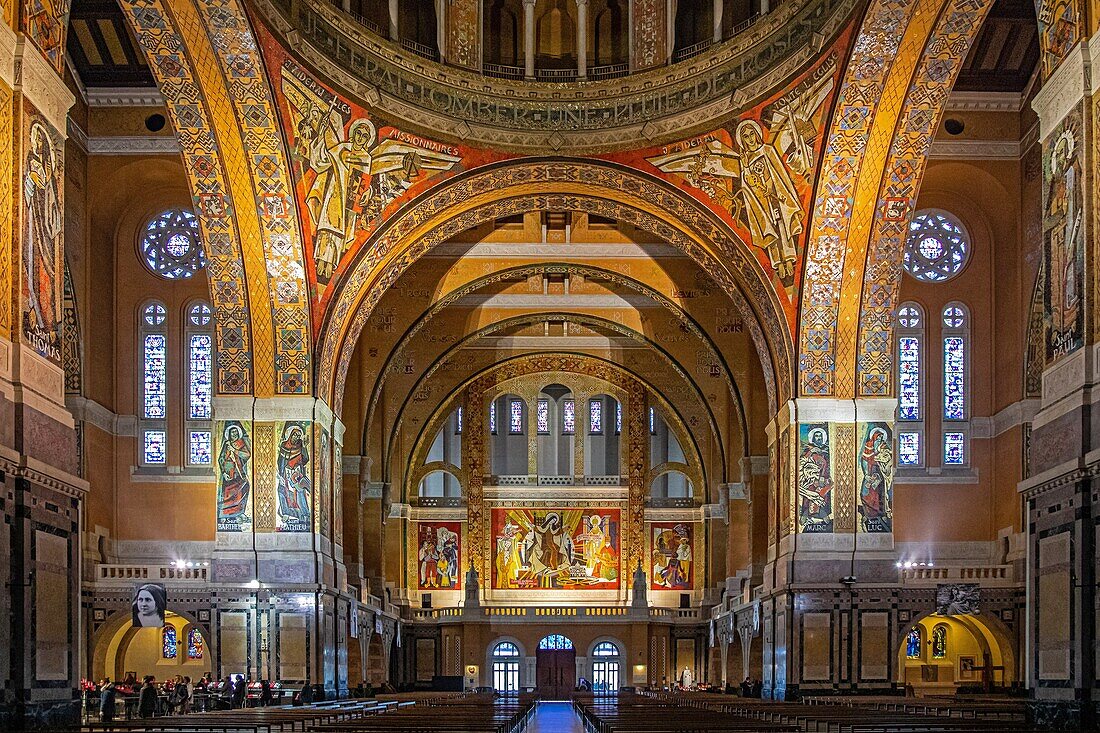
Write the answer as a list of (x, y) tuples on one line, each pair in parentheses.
[(207, 65), (504, 189), (868, 182)]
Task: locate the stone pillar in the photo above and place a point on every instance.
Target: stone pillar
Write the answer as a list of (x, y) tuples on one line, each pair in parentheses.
[(393, 15), (1059, 496), (582, 39), (765, 7), (276, 487), (529, 39), (40, 542), (833, 524), (580, 432), (717, 12)]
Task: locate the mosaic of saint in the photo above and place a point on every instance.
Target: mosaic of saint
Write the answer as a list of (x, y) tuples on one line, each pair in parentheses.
[(563, 549), (815, 478), (234, 477), (439, 556), (759, 170), (43, 231), (1063, 237), (671, 556), (295, 485), (45, 22), (1059, 31), (876, 478)]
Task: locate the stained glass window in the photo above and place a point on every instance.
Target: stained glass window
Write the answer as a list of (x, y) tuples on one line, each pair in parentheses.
[(939, 642), (568, 417), (155, 375), (194, 644), (458, 421), (595, 416), (542, 416), (199, 374), (954, 316), (515, 417), (506, 649), (954, 449), (954, 378), (908, 449), (556, 642), (170, 643), (171, 246), (155, 314), (618, 417), (912, 644), (909, 378), (200, 315), (652, 421), (198, 451), (154, 446), (937, 246), (493, 417), (909, 316)]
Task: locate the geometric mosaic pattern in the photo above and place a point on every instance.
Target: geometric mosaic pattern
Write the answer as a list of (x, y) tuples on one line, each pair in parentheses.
[(178, 80), (208, 68), (943, 56)]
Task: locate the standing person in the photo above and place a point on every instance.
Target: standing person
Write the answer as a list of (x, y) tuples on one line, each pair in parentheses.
[(746, 687), (240, 693), (266, 698), (107, 701), (182, 693), (147, 698), (307, 693)]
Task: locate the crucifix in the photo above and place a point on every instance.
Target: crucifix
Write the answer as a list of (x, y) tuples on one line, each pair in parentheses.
[(987, 669)]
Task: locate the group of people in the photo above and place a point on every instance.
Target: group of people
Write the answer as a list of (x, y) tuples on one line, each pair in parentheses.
[(751, 687), (178, 692)]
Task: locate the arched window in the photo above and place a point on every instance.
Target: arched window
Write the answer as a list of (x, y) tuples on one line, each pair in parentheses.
[(506, 667), (555, 642), (199, 343), (194, 643), (956, 384), (913, 643), (605, 667), (171, 246), (542, 416), (170, 643), (939, 642), (910, 361), (937, 247), (515, 417), (154, 383), (595, 416), (568, 417)]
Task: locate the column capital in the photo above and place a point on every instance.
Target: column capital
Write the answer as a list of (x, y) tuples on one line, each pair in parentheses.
[(1072, 80)]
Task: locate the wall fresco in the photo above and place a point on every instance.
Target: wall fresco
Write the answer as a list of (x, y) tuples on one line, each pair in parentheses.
[(1063, 237), (42, 187), (815, 477), (439, 555), (233, 447), (350, 168), (45, 22), (672, 554), (876, 477), (295, 483), (757, 172), (1060, 28), (556, 549)]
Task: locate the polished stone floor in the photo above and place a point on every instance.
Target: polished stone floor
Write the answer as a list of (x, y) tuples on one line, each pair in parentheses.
[(555, 717)]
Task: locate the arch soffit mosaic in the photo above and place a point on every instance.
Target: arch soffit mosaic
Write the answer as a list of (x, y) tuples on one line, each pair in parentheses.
[(500, 190), (891, 100), (674, 408), (494, 379), (470, 285), (208, 68)]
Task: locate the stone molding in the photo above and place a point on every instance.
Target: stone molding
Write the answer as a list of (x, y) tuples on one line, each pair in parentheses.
[(39, 83), (1064, 89), (93, 413), (36, 471), (133, 145), (1014, 415), (553, 251), (9, 41), (124, 97), (985, 102), (543, 302), (39, 384), (975, 150)]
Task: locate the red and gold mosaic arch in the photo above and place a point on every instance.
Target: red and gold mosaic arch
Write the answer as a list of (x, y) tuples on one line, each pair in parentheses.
[(595, 187), (905, 58), (207, 66)]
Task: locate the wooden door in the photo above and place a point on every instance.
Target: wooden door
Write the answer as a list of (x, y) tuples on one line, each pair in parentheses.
[(556, 671)]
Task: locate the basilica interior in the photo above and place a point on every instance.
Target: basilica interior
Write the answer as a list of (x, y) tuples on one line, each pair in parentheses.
[(543, 346)]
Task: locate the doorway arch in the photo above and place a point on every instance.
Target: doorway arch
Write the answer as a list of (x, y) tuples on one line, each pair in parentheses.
[(951, 652), (118, 647), (555, 667)]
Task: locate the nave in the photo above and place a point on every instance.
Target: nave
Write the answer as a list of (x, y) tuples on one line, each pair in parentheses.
[(625, 712)]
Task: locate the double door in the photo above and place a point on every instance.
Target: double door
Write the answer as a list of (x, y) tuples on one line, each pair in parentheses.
[(556, 671)]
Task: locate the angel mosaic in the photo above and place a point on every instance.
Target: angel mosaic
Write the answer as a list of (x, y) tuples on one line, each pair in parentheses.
[(756, 175), (349, 175)]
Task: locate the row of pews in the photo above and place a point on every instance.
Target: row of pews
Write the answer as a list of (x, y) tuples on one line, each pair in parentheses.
[(691, 712), (442, 713)]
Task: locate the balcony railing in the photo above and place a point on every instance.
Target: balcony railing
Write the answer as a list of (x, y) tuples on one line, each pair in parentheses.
[(500, 71), (520, 614), (930, 575), (671, 503), (544, 480), (440, 501), (610, 71), (145, 573), (556, 74), (420, 49), (691, 51)]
